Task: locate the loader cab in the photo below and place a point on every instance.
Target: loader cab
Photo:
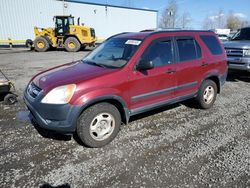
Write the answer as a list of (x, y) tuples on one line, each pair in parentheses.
[(62, 24)]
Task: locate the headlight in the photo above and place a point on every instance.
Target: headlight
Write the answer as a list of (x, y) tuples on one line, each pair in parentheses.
[(60, 95), (247, 52)]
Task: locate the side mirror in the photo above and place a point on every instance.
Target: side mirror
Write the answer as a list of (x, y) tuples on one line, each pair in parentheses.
[(144, 65)]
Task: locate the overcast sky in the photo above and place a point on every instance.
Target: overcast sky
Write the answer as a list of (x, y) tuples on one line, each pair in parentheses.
[(198, 9)]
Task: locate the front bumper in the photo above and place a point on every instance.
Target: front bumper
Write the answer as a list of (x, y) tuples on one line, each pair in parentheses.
[(239, 63), (61, 118)]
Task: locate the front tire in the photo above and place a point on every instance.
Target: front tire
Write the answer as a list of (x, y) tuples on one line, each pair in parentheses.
[(207, 94), (72, 44), (41, 44), (99, 124)]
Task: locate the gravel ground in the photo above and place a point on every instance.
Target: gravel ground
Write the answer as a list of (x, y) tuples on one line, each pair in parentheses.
[(176, 146)]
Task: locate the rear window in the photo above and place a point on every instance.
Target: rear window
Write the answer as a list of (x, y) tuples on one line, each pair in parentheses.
[(212, 44)]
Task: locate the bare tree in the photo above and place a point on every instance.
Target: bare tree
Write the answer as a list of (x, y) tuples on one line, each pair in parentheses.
[(233, 22), (185, 20), (208, 23), (170, 15), (215, 21), (220, 19), (245, 24)]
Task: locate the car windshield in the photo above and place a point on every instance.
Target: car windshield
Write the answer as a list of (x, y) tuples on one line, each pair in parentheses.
[(242, 34), (114, 53)]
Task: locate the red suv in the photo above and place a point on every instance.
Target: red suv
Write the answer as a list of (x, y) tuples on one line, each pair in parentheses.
[(128, 74)]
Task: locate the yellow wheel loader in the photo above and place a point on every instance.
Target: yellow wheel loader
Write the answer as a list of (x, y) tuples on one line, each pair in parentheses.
[(65, 35)]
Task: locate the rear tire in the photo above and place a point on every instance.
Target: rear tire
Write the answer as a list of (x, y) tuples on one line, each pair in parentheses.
[(72, 44), (98, 125), (207, 94), (41, 44)]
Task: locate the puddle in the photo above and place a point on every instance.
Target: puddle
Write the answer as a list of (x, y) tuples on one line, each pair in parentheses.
[(23, 116)]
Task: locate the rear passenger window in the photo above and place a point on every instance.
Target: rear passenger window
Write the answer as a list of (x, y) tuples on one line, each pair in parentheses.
[(212, 44), (160, 53), (188, 49)]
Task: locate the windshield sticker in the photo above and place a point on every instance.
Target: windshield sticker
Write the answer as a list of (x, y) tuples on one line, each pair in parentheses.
[(133, 42)]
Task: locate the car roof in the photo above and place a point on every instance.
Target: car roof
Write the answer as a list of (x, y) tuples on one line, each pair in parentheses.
[(136, 35), (142, 35)]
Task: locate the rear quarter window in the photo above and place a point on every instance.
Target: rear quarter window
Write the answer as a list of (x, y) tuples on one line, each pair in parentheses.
[(212, 43)]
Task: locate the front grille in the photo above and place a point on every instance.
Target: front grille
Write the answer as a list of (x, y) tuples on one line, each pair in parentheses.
[(232, 63), (33, 90), (235, 52)]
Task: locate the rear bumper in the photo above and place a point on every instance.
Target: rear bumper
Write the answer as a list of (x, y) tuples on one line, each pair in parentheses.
[(59, 118), (239, 63)]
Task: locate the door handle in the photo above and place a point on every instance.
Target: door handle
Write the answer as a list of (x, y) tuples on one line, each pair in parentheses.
[(169, 71), (204, 64)]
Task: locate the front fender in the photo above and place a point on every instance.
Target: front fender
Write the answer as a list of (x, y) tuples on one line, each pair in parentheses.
[(81, 99), (96, 96)]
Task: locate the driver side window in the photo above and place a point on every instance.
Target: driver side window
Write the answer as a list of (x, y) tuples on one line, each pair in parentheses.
[(160, 53)]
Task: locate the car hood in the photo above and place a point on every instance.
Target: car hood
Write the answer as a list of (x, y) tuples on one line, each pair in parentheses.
[(71, 73), (244, 44)]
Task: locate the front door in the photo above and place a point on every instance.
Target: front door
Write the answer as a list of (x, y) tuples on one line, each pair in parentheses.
[(150, 88)]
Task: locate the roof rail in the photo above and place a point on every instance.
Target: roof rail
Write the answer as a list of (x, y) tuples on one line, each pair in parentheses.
[(161, 29)]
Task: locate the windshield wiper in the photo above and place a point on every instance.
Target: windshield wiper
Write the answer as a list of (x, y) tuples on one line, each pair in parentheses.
[(94, 63)]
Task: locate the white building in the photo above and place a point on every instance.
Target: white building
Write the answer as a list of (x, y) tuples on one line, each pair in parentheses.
[(18, 17)]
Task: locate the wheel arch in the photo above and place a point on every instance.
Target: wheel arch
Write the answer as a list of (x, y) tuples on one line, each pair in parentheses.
[(117, 101), (216, 79)]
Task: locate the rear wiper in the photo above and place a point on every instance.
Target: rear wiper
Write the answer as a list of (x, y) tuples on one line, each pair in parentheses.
[(94, 63)]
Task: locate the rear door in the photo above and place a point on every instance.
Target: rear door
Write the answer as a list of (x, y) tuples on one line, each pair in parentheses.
[(190, 62), (152, 87)]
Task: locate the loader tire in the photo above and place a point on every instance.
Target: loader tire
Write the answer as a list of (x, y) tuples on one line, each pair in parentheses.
[(41, 44), (72, 44)]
